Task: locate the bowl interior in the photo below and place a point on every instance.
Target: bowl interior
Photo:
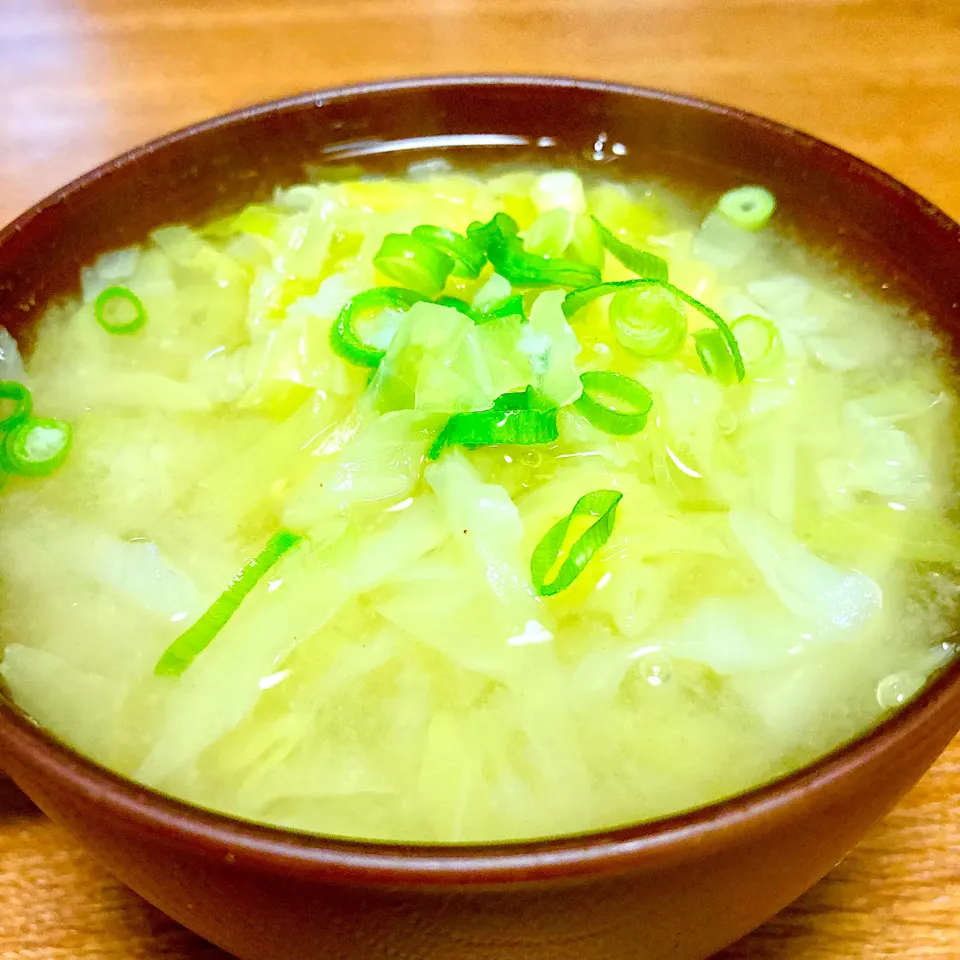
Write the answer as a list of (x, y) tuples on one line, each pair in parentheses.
[(887, 233)]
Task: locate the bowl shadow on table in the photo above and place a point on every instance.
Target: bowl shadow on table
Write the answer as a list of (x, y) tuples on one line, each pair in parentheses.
[(15, 805)]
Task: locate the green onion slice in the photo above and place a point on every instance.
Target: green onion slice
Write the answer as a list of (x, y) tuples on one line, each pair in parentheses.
[(715, 355), (505, 251), (413, 262), (37, 446), (500, 226), (344, 338), (601, 504), (578, 299), (757, 337), (195, 639), (468, 258), (22, 403), (646, 265), (461, 306), (749, 208), (524, 269), (617, 386), (525, 417), (511, 306), (112, 310), (649, 321)]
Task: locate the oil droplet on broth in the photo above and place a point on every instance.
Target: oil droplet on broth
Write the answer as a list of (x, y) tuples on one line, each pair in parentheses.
[(656, 669), (896, 688)]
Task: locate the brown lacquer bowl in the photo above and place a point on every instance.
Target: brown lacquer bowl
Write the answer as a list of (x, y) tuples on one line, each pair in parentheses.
[(679, 888)]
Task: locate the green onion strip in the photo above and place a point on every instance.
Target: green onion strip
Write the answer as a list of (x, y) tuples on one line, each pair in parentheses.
[(645, 265), (605, 418), (601, 504), (580, 298), (195, 639), (115, 296), (525, 417)]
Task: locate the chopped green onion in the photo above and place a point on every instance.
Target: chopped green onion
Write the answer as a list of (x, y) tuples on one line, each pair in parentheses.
[(505, 251), (22, 403), (415, 263), (758, 338), (525, 417), (646, 265), (499, 226), (614, 385), (195, 639), (37, 446), (461, 306), (511, 306), (110, 302), (729, 339), (468, 258), (749, 208), (524, 269), (601, 504), (578, 299), (649, 321), (344, 338), (715, 355)]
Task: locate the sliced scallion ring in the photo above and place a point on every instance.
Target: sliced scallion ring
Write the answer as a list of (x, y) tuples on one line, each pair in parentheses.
[(578, 299), (622, 423), (715, 355), (646, 265), (22, 403), (649, 321), (414, 262), (196, 638), (468, 258), (37, 446), (344, 338), (119, 311), (749, 208), (601, 504), (757, 337)]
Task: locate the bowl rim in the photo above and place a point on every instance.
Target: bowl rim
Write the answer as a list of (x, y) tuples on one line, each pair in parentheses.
[(363, 861)]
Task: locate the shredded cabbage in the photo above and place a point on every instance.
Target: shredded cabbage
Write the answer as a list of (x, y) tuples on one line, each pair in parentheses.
[(781, 568)]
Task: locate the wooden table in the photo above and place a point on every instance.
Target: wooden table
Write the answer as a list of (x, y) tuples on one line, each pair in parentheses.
[(83, 79)]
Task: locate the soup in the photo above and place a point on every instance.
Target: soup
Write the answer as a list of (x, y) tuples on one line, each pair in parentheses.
[(473, 507)]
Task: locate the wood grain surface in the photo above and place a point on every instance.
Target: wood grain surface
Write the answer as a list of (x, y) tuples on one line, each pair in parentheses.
[(81, 80)]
